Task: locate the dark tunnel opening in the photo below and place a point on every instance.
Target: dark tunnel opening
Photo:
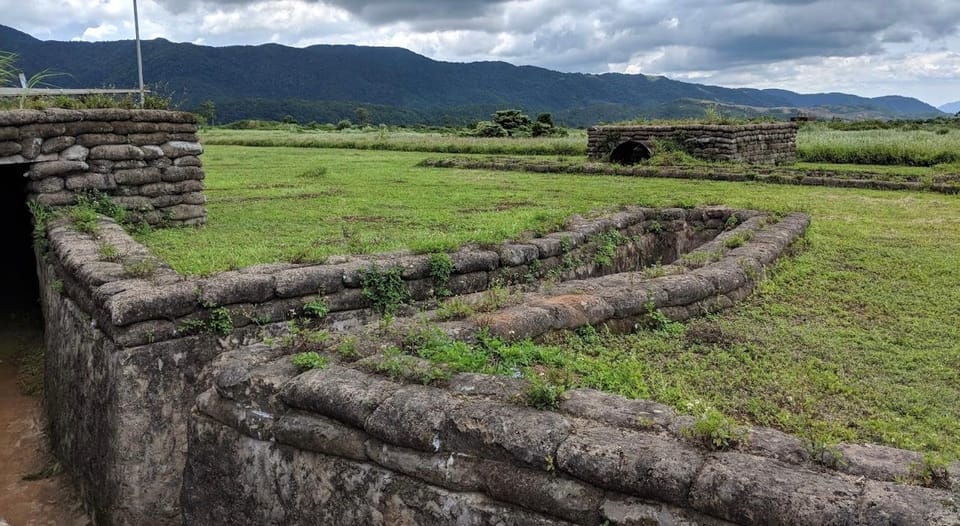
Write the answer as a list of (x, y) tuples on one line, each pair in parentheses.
[(19, 302), (630, 152)]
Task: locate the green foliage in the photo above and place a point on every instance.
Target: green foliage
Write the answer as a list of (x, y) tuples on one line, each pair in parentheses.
[(607, 243), (108, 252), (344, 124), (515, 122), (317, 308), (315, 173), (489, 129), (220, 321), (542, 394), (659, 322), (904, 146), (207, 112), (930, 471), (739, 239), (713, 428), (441, 267), (144, 268), (385, 288), (84, 219), (454, 309), (306, 361), (348, 349)]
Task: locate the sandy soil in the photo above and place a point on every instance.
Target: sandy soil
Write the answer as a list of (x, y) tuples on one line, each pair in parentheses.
[(47, 501)]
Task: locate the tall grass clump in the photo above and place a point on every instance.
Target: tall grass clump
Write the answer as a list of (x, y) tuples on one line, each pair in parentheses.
[(893, 146)]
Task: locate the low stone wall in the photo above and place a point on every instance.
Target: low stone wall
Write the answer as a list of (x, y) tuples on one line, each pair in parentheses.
[(774, 143), (126, 347), (148, 160), (342, 446)]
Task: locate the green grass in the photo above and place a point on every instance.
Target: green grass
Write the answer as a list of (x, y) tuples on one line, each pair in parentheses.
[(399, 140), (817, 143), (855, 338)]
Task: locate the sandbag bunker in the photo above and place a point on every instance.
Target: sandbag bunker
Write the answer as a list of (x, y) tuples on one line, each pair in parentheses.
[(174, 399)]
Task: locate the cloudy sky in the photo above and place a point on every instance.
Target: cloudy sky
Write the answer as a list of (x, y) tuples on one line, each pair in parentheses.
[(867, 47)]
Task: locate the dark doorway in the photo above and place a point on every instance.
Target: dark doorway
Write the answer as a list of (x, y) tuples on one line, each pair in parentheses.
[(630, 152), (19, 300)]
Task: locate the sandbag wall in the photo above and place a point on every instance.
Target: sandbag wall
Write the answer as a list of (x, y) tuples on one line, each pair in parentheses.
[(774, 143), (147, 160)]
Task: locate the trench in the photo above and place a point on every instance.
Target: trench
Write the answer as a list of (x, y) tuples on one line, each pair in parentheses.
[(31, 491)]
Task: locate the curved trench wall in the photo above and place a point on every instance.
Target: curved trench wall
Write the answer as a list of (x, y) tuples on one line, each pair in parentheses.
[(774, 143), (148, 160), (131, 354)]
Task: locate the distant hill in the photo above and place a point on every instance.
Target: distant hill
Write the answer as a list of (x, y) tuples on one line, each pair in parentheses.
[(952, 107), (326, 83)]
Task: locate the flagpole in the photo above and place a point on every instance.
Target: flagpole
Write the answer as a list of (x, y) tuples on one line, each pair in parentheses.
[(136, 25)]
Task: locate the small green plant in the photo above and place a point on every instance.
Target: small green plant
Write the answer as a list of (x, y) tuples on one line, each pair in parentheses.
[(317, 308), (108, 252), (655, 227), (84, 219), (731, 222), (454, 309), (385, 288), (220, 321), (141, 268), (306, 361), (101, 204), (738, 240), (348, 349), (713, 428), (542, 394), (659, 322), (41, 216), (607, 243), (57, 286), (565, 244), (441, 267), (588, 334), (930, 472)]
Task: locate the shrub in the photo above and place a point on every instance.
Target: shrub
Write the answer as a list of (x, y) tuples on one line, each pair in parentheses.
[(309, 360), (385, 288)]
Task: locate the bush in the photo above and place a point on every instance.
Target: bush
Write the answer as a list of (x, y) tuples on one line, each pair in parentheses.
[(344, 124), (489, 129)]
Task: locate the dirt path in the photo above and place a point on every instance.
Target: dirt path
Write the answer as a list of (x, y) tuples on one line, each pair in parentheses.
[(48, 501)]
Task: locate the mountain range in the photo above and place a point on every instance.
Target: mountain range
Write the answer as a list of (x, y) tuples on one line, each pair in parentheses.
[(326, 83), (951, 107)]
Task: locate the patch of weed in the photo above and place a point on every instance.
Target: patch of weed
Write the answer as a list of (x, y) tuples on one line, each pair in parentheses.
[(306, 361), (385, 288)]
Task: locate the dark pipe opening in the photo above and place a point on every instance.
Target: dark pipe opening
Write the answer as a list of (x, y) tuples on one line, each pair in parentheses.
[(19, 302), (630, 152)]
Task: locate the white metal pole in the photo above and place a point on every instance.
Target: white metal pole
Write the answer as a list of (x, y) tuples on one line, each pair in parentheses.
[(136, 25)]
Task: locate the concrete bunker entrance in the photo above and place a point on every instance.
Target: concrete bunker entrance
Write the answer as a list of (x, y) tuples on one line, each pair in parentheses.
[(631, 152), (19, 300)]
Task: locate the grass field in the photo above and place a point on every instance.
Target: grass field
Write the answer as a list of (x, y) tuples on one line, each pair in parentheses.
[(400, 140), (925, 147), (856, 338)]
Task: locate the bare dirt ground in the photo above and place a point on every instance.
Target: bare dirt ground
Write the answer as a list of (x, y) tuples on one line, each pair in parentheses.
[(49, 500)]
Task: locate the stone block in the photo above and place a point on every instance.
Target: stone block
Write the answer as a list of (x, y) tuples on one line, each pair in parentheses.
[(57, 144), (413, 416), (645, 465), (43, 130), (134, 202), (173, 174), (8, 148), (116, 152), (74, 153), (543, 492), (142, 139), (56, 168), (877, 462), (506, 432), (314, 279), (447, 470), (91, 140), (513, 255), (151, 152), (616, 410), (755, 490), (90, 181), (45, 185), (227, 288), (137, 176), (149, 302), (127, 127), (468, 261), (56, 199), (316, 433), (30, 147), (9, 133), (344, 394), (175, 149), (189, 160)]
